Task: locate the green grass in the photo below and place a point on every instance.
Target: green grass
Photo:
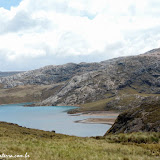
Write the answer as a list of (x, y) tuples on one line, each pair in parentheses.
[(135, 138), (92, 106), (150, 114), (132, 91), (119, 102), (27, 93), (97, 105), (51, 146)]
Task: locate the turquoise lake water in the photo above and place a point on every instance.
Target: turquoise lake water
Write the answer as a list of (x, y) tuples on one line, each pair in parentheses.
[(51, 118)]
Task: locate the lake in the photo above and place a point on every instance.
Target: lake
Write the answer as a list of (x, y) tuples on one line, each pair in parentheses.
[(50, 118)]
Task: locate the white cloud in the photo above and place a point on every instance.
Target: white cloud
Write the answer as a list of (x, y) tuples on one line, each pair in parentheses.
[(38, 33)]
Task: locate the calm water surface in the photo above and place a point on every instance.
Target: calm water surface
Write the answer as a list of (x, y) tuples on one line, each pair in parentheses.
[(51, 118)]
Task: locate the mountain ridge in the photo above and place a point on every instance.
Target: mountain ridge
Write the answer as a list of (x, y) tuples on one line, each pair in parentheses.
[(134, 71), (9, 73), (112, 80), (48, 74), (130, 85)]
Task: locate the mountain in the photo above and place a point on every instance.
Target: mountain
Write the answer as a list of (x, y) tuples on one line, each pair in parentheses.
[(49, 74), (139, 75), (5, 74), (116, 84), (37, 85)]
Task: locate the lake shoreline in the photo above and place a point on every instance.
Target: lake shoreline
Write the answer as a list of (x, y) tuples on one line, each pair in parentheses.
[(51, 118), (97, 121), (109, 121), (108, 117)]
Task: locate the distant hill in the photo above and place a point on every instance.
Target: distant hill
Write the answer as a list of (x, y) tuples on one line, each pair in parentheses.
[(116, 84), (50, 74), (5, 74), (130, 85)]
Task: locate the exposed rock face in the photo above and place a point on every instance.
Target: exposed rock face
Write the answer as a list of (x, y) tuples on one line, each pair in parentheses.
[(139, 72), (88, 82), (49, 74), (145, 118), (5, 74)]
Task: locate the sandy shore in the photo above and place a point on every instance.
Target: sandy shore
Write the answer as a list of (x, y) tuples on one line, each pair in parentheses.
[(102, 120), (100, 113), (97, 121)]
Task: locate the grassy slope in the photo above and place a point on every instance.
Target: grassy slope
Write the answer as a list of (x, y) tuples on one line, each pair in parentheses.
[(144, 118), (28, 93), (50, 146), (126, 97)]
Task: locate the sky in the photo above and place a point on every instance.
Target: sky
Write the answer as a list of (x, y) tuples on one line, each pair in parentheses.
[(7, 4), (36, 33)]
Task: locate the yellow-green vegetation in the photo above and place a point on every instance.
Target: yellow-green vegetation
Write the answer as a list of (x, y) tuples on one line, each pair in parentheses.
[(134, 91), (123, 99), (149, 112), (97, 105), (144, 118), (27, 93), (135, 138), (42, 145)]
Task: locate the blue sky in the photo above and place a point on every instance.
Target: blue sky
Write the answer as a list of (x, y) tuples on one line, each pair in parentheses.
[(7, 4)]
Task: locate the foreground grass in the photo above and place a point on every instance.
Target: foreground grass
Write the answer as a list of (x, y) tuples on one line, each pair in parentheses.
[(51, 146)]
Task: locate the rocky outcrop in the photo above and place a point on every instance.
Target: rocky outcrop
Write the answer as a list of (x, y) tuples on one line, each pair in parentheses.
[(5, 74), (49, 74), (145, 118), (90, 82), (141, 73)]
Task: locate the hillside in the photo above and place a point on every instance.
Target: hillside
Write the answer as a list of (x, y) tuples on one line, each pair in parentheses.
[(45, 145), (49, 74), (5, 74), (145, 118), (116, 84), (38, 85), (123, 80)]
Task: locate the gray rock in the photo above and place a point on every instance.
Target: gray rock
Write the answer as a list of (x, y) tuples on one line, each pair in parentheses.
[(139, 72), (88, 82), (49, 74)]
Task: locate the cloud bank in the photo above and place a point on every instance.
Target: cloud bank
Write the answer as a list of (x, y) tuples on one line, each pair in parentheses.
[(39, 33)]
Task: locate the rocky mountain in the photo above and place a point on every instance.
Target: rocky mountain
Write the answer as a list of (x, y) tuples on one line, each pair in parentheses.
[(38, 85), (139, 73), (145, 118), (115, 84), (49, 74), (5, 74)]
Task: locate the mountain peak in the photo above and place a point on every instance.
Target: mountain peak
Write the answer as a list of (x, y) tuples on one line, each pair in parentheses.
[(153, 52)]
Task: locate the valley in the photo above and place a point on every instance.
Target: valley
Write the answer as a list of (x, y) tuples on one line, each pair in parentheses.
[(126, 89)]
